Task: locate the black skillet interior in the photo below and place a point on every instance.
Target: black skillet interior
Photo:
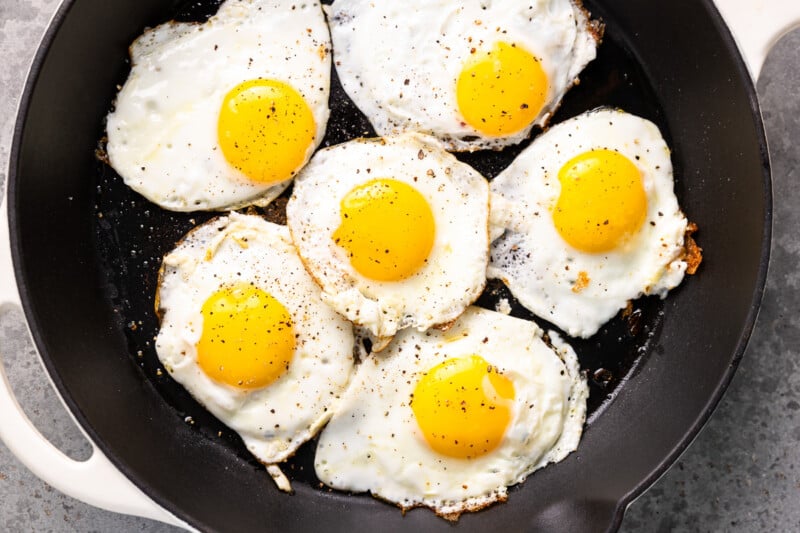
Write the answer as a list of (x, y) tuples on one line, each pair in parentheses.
[(87, 252)]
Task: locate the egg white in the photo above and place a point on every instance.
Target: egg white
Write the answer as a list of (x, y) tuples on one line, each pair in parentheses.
[(399, 61), (541, 269), (455, 272), (273, 420), (162, 133), (373, 442)]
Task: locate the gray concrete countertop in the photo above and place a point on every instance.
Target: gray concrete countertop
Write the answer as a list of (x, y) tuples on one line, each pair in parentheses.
[(741, 474)]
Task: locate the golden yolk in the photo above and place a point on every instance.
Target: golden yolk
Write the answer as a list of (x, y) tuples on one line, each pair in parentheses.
[(265, 129), (462, 407), (247, 340), (502, 91), (387, 229), (602, 201)]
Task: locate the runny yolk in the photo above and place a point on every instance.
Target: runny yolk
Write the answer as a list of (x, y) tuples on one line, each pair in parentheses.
[(602, 201), (462, 407), (265, 130), (501, 91), (387, 229), (247, 340)]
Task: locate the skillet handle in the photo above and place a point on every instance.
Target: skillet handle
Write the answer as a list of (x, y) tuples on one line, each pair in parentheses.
[(757, 25), (95, 481)]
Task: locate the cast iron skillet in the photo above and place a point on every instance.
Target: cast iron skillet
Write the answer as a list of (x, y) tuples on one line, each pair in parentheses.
[(86, 253)]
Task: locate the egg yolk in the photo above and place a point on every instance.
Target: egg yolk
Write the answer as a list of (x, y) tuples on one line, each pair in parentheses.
[(247, 340), (501, 91), (265, 130), (387, 229), (602, 201), (462, 407)]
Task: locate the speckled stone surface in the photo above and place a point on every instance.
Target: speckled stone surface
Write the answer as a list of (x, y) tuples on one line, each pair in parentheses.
[(741, 474)]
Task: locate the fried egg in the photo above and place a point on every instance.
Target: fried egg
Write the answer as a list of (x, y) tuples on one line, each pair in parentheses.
[(223, 114), (244, 330), (449, 420), (587, 220), (395, 231), (475, 74)]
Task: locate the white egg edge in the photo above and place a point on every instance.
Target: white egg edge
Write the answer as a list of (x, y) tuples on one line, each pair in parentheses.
[(567, 442), (343, 294), (260, 195), (255, 446)]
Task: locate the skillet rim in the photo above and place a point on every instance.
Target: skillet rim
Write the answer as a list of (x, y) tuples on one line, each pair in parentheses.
[(23, 109), (749, 85)]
